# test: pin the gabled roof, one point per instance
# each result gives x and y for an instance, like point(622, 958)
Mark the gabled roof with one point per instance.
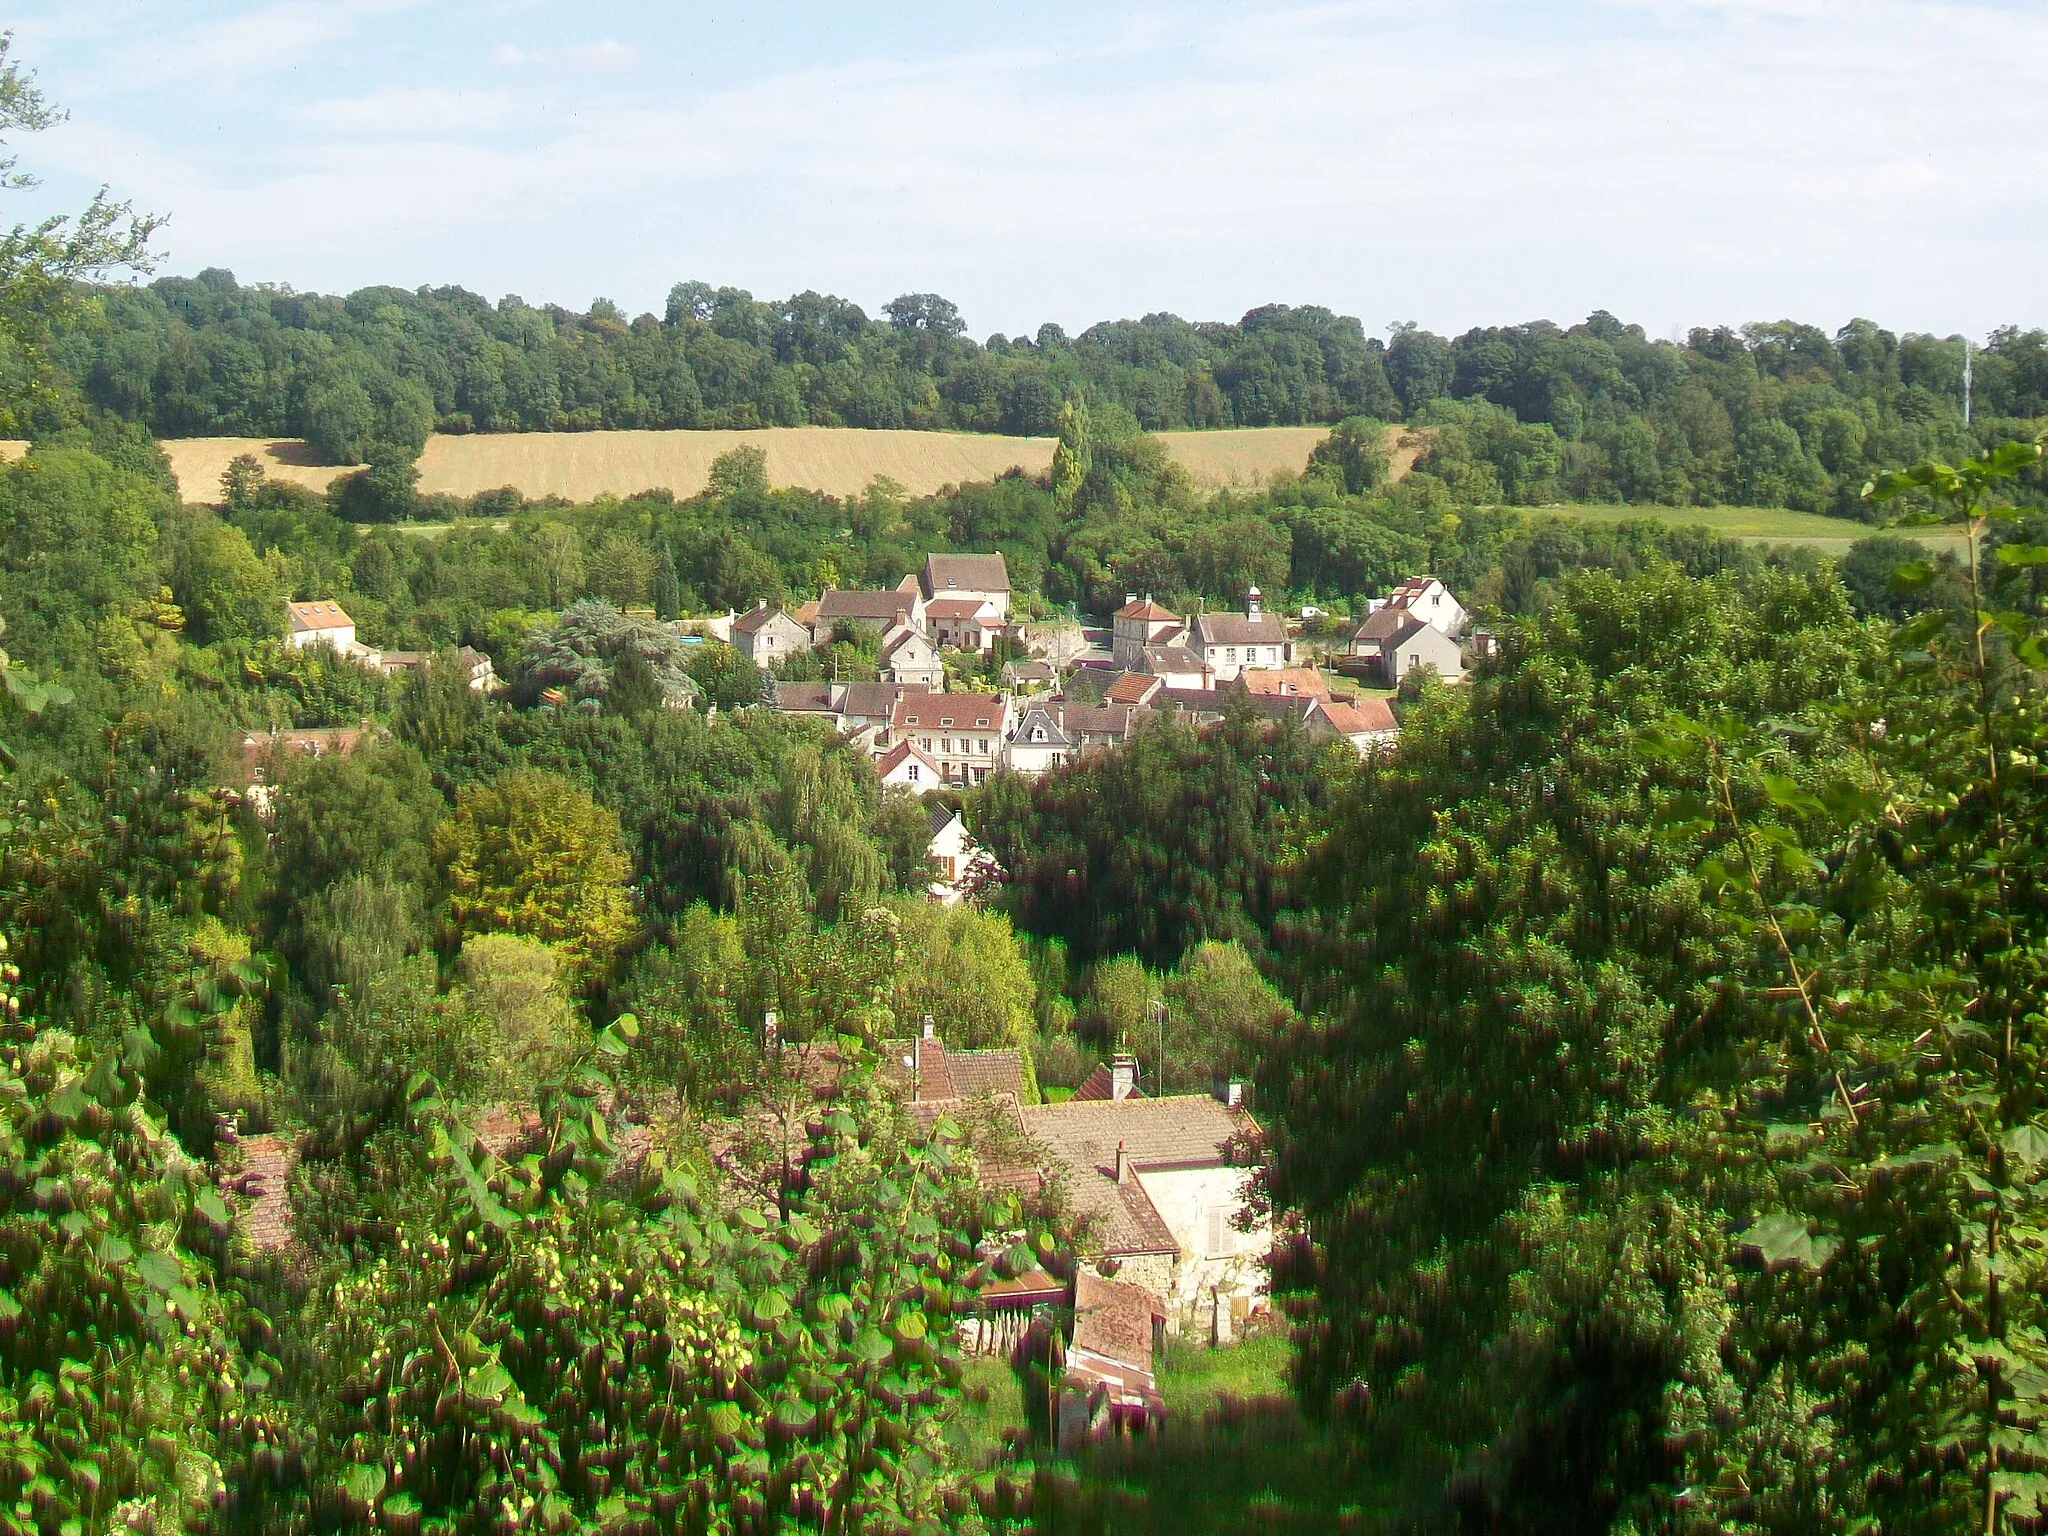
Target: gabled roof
point(805, 698)
point(1161, 659)
point(806, 614)
point(755, 619)
point(1133, 688)
point(1100, 719)
point(900, 636)
point(1240, 629)
point(877, 607)
point(1036, 717)
point(1304, 682)
point(874, 701)
point(931, 711)
point(1408, 591)
point(939, 816)
point(965, 573)
point(959, 607)
point(1082, 1137)
point(894, 758)
point(1360, 716)
point(1143, 609)
point(317, 616)
point(1389, 625)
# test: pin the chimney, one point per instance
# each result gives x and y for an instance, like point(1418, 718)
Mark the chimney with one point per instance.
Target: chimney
point(1232, 1093)
point(1123, 1165)
point(1252, 599)
point(1123, 1076)
point(1130, 598)
point(769, 1037)
point(929, 1028)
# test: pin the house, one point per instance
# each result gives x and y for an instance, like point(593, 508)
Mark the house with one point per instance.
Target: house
point(1177, 666)
point(818, 700)
point(909, 657)
point(1038, 743)
point(1227, 643)
point(1099, 725)
point(1108, 1382)
point(1030, 676)
point(1163, 1180)
point(965, 623)
point(868, 706)
point(1138, 624)
point(962, 862)
point(932, 1072)
point(483, 677)
point(1285, 682)
point(321, 623)
point(1429, 599)
point(264, 755)
point(879, 611)
point(1364, 723)
point(765, 635)
point(904, 767)
point(963, 732)
point(984, 578)
point(1397, 641)
point(1135, 688)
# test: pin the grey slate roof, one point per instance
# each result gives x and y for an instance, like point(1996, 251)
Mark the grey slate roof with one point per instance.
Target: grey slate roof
point(1237, 629)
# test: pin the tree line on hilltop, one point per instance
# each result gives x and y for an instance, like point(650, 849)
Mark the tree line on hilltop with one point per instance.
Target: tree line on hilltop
point(1776, 414)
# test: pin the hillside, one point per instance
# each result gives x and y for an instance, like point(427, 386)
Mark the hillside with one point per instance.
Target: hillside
point(838, 460)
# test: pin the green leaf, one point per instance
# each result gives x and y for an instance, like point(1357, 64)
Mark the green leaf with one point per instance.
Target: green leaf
point(627, 1026)
point(873, 1346)
point(363, 1483)
point(2028, 1143)
point(211, 1207)
point(2023, 554)
point(1783, 1239)
point(726, 1419)
point(159, 1271)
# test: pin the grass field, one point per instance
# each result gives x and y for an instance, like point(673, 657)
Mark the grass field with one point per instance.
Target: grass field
point(1761, 525)
point(838, 460)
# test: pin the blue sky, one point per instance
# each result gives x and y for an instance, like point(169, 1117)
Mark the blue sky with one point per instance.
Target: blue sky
point(1454, 162)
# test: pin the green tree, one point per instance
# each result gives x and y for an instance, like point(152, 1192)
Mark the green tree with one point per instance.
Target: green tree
point(531, 853)
point(1074, 454)
point(1219, 1011)
point(740, 473)
point(387, 490)
point(727, 677)
point(965, 971)
point(241, 482)
point(668, 590)
point(1354, 453)
point(227, 592)
point(516, 982)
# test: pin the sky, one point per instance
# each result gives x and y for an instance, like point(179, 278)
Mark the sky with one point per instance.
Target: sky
point(1450, 162)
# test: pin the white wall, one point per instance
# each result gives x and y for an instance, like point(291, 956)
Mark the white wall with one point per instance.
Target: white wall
point(1184, 1198)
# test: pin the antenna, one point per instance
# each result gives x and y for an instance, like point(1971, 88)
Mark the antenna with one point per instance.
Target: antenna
point(1966, 381)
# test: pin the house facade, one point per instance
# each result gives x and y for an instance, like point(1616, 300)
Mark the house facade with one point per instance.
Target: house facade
point(1398, 641)
point(1140, 623)
point(1229, 643)
point(1038, 743)
point(960, 859)
point(765, 635)
point(982, 578)
point(1429, 600)
point(965, 623)
point(962, 732)
point(320, 623)
point(909, 658)
point(904, 767)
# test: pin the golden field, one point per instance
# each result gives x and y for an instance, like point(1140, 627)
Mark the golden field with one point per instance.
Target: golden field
point(837, 460)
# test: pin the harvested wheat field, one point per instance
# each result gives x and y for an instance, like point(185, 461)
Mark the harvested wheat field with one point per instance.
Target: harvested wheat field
point(838, 460)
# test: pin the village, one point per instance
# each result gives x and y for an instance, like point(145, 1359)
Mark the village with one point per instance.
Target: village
point(1158, 1183)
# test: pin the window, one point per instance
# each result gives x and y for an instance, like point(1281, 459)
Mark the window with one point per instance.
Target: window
point(912, 775)
point(1218, 1219)
point(945, 720)
point(1230, 653)
point(1038, 733)
point(927, 743)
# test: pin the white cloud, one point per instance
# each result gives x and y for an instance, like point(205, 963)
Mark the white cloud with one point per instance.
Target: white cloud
point(1674, 160)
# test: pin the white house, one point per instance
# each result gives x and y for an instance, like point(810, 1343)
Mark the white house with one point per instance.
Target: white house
point(1429, 599)
point(321, 623)
point(1227, 643)
point(1038, 742)
point(879, 611)
point(962, 732)
point(904, 767)
point(765, 635)
point(984, 578)
point(962, 862)
point(967, 623)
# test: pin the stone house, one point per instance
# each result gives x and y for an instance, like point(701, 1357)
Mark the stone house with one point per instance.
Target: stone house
point(765, 635)
point(878, 611)
point(965, 623)
point(1141, 623)
point(1159, 1179)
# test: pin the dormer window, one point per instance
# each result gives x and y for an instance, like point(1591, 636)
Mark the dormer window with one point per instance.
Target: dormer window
point(944, 721)
point(1038, 733)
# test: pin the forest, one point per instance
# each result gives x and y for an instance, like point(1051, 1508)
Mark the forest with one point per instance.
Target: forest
point(1648, 1051)
point(1771, 414)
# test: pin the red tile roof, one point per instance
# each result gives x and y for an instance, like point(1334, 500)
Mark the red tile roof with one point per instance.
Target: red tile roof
point(1363, 714)
point(934, 711)
point(1133, 688)
point(1147, 610)
point(1305, 682)
point(320, 615)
